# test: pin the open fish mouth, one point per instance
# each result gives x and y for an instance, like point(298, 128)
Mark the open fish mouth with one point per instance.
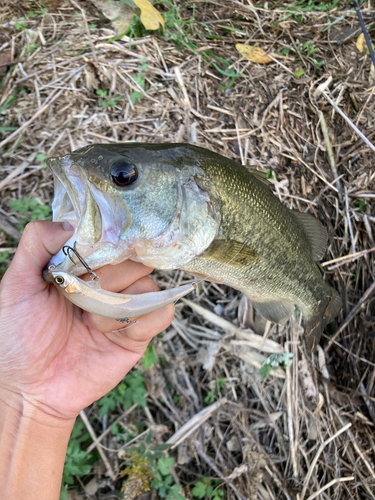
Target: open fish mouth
point(69, 189)
point(92, 216)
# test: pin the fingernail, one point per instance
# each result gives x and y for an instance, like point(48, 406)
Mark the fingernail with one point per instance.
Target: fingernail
point(67, 226)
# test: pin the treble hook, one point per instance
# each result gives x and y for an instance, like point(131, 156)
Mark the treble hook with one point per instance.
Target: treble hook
point(91, 273)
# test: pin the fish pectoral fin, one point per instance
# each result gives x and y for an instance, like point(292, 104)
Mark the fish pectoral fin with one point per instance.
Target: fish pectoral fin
point(229, 252)
point(277, 311)
point(260, 176)
point(315, 232)
point(327, 312)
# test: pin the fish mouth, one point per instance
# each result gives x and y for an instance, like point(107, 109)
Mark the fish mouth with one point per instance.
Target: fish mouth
point(92, 216)
point(69, 188)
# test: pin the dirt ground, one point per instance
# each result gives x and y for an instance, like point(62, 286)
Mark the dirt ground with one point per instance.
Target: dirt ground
point(307, 431)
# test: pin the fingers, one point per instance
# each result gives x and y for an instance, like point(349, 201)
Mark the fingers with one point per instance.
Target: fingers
point(134, 336)
point(116, 278)
point(40, 240)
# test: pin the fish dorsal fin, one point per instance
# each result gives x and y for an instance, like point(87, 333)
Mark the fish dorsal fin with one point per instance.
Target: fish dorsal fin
point(316, 234)
point(277, 311)
point(260, 176)
point(230, 252)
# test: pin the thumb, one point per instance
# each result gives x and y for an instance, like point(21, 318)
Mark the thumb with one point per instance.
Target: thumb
point(40, 241)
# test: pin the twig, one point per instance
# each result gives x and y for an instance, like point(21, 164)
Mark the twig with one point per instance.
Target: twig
point(16, 171)
point(8, 228)
point(328, 485)
point(103, 456)
point(356, 129)
point(290, 421)
point(217, 471)
point(349, 220)
point(92, 47)
point(33, 118)
point(331, 156)
point(347, 258)
point(318, 453)
point(194, 423)
point(351, 315)
point(108, 430)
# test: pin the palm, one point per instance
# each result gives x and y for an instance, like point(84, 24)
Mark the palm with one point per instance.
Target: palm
point(57, 355)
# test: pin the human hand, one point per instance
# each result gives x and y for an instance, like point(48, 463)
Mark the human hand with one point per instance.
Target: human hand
point(54, 355)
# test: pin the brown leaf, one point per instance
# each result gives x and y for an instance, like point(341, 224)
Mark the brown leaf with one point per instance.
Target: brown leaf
point(150, 17)
point(361, 43)
point(253, 54)
point(5, 60)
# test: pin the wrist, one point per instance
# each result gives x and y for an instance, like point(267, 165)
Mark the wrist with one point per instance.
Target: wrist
point(33, 445)
point(26, 407)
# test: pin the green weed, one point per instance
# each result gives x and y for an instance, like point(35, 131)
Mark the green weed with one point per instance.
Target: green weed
point(274, 361)
point(148, 464)
point(308, 6)
point(8, 102)
point(308, 48)
point(4, 262)
point(130, 391)
point(76, 459)
point(139, 79)
point(149, 357)
point(31, 208)
point(183, 33)
point(216, 391)
point(107, 102)
point(208, 489)
point(21, 24)
point(313, 6)
point(361, 205)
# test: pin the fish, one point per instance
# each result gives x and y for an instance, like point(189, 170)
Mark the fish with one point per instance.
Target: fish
point(180, 206)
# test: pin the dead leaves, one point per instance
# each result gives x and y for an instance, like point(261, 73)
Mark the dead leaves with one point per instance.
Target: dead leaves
point(5, 61)
point(361, 44)
point(150, 17)
point(253, 54)
point(122, 14)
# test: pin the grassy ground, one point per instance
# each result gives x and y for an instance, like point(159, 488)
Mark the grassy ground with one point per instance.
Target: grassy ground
point(306, 431)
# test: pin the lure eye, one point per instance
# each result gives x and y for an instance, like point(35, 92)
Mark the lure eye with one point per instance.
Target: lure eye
point(59, 280)
point(124, 173)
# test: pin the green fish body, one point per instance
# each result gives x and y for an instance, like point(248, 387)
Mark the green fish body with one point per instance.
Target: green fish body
point(182, 206)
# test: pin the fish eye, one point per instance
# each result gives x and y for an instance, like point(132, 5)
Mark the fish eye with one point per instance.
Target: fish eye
point(123, 173)
point(59, 280)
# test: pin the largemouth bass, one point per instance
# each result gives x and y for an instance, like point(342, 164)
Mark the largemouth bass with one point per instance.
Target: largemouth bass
point(181, 206)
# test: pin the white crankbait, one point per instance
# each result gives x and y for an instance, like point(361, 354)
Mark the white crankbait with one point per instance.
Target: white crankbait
point(88, 295)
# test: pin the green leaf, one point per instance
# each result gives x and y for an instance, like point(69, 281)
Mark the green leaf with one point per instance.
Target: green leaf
point(164, 464)
point(174, 493)
point(136, 96)
point(3, 256)
point(299, 73)
point(102, 93)
point(361, 205)
point(149, 357)
point(199, 490)
point(40, 157)
point(274, 361)
point(218, 495)
point(21, 206)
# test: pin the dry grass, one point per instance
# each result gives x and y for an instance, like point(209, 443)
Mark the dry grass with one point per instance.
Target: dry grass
point(306, 432)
